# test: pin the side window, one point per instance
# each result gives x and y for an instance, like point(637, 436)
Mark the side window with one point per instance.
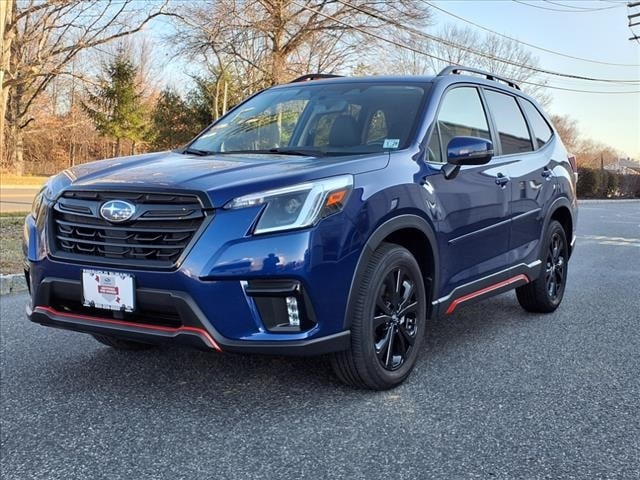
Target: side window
point(541, 128)
point(461, 114)
point(512, 128)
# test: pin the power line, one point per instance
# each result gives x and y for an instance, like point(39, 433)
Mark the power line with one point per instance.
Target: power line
point(574, 7)
point(435, 57)
point(583, 9)
point(537, 47)
point(483, 54)
point(565, 10)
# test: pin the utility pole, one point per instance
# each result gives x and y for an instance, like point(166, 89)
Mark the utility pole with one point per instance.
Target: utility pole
point(634, 19)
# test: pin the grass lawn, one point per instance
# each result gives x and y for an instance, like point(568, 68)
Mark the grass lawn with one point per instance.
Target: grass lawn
point(11, 244)
point(10, 179)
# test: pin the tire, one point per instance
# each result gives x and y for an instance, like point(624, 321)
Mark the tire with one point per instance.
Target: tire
point(121, 344)
point(388, 311)
point(545, 293)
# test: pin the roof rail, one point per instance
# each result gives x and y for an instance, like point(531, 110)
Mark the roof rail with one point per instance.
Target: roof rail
point(458, 70)
point(314, 76)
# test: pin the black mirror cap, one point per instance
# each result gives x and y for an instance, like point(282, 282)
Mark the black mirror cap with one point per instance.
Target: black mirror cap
point(469, 151)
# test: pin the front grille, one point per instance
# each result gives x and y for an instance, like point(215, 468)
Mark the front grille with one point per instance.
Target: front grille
point(156, 236)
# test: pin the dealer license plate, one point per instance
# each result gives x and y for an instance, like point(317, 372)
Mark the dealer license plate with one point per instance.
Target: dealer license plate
point(108, 290)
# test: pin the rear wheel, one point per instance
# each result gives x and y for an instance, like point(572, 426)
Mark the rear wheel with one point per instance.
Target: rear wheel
point(121, 344)
point(544, 294)
point(387, 324)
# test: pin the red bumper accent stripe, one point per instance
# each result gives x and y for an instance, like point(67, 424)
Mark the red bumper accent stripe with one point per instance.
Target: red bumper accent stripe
point(488, 289)
point(198, 331)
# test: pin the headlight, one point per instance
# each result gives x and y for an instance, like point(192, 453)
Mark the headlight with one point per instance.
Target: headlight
point(47, 194)
point(37, 203)
point(297, 206)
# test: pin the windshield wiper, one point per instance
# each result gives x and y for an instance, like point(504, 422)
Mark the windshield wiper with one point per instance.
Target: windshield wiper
point(195, 151)
point(283, 151)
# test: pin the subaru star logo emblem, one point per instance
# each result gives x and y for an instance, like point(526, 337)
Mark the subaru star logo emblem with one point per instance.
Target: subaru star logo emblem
point(117, 211)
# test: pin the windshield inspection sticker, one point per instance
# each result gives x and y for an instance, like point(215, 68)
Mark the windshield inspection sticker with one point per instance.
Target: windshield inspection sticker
point(391, 143)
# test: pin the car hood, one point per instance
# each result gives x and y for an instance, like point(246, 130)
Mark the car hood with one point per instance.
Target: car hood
point(221, 177)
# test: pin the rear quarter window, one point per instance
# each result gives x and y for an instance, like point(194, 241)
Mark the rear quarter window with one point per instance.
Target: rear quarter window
point(541, 129)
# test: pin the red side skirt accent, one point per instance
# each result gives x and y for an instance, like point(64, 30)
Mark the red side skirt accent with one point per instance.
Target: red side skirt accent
point(198, 331)
point(488, 289)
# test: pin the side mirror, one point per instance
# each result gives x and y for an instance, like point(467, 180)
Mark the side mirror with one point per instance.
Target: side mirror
point(466, 151)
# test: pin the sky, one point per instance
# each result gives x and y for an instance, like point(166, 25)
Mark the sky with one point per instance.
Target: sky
point(601, 34)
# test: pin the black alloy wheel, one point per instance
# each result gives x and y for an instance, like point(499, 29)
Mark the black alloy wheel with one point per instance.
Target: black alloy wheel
point(395, 326)
point(387, 314)
point(544, 294)
point(555, 266)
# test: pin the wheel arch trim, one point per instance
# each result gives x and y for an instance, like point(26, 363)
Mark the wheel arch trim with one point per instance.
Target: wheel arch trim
point(560, 202)
point(400, 222)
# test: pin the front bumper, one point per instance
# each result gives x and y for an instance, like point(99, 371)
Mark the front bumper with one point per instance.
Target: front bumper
point(198, 337)
point(207, 302)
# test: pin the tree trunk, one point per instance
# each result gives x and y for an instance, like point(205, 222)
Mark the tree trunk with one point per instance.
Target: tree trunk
point(7, 13)
point(18, 151)
point(278, 70)
point(15, 140)
point(118, 147)
point(278, 56)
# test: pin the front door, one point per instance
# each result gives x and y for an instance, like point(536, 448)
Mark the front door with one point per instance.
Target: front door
point(473, 208)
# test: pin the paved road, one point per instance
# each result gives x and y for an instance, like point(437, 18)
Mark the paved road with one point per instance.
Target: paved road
point(498, 394)
point(17, 198)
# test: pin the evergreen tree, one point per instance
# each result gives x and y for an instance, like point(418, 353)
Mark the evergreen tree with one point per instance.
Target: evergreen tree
point(116, 107)
point(173, 122)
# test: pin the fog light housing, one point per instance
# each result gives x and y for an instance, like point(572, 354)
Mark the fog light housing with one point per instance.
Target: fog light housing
point(283, 305)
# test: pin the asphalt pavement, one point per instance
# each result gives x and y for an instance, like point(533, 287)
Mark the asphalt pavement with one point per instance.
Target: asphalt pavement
point(497, 394)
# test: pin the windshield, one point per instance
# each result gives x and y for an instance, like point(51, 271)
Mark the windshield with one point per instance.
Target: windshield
point(317, 119)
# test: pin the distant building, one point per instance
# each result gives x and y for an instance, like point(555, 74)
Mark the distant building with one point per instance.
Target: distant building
point(625, 166)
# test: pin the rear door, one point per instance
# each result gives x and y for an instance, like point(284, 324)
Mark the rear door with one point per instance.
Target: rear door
point(532, 182)
point(473, 218)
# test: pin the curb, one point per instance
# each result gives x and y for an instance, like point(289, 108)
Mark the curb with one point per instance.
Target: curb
point(605, 200)
point(12, 283)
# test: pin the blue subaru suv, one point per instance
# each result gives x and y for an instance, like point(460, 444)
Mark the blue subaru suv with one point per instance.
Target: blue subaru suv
point(325, 216)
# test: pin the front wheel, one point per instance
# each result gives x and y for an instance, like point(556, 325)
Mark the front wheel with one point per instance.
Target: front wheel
point(387, 324)
point(544, 294)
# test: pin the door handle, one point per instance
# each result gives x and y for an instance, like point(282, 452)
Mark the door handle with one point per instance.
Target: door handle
point(546, 173)
point(502, 180)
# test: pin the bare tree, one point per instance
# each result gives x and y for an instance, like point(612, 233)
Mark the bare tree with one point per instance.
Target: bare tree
point(274, 40)
point(465, 46)
point(41, 38)
point(567, 128)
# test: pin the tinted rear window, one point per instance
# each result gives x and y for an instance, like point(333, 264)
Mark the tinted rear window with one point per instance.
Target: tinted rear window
point(511, 125)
